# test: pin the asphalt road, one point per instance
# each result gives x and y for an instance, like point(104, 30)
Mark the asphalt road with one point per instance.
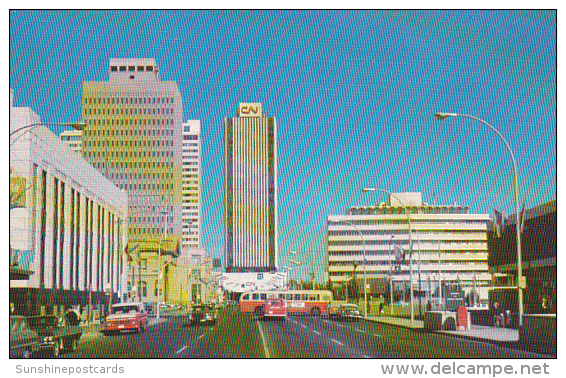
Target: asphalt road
point(238, 335)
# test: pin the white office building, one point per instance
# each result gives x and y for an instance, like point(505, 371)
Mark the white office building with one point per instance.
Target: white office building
point(73, 139)
point(67, 224)
point(449, 245)
point(191, 187)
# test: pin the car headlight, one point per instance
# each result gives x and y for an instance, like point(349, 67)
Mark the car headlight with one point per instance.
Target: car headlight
point(47, 339)
point(208, 316)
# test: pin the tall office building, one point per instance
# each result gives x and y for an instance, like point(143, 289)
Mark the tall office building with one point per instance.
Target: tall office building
point(190, 186)
point(250, 190)
point(134, 137)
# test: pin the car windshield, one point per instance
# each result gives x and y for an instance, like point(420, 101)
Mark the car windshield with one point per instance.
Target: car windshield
point(42, 322)
point(350, 307)
point(124, 309)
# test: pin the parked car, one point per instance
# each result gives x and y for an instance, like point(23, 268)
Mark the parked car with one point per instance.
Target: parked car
point(57, 334)
point(24, 342)
point(150, 307)
point(274, 308)
point(204, 313)
point(346, 311)
point(126, 317)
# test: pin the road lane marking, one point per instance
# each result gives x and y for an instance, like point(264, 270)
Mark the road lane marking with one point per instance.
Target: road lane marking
point(366, 356)
point(180, 350)
point(201, 336)
point(263, 340)
point(304, 326)
point(376, 335)
point(337, 342)
point(315, 331)
point(359, 330)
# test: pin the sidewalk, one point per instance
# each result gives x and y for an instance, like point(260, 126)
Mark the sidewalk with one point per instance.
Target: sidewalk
point(477, 332)
point(96, 329)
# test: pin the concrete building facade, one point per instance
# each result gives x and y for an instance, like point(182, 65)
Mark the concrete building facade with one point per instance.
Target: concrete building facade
point(73, 139)
point(67, 225)
point(191, 187)
point(449, 246)
point(134, 137)
point(250, 191)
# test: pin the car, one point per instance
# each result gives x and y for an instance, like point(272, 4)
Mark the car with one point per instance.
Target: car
point(126, 317)
point(57, 333)
point(274, 308)
point(149, 307)
point(345, 311)
point(24, 342)
point(204, 313)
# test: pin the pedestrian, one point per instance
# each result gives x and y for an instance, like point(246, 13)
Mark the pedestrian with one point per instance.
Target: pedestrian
point(380, 308)
point(428, 306)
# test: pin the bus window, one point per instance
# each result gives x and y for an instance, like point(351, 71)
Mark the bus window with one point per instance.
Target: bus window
point(246, 297)
point(297, 297)
point(303, 297)
point(282, 296)
point(313, 297)
point(255, 296)
point(263, 296)
point(289, 297)
point(272, 295)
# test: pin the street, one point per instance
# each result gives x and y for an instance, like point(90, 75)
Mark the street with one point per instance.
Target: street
point(237, 335)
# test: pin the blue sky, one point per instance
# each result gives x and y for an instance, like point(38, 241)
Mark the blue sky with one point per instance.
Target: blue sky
point(353, 92)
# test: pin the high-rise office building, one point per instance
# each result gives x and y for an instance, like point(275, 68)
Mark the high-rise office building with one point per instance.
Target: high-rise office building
point(190, 186)
point(134, 137)
point(250, 190)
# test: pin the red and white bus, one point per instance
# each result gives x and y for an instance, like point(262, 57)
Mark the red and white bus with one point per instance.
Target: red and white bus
point(314, 302)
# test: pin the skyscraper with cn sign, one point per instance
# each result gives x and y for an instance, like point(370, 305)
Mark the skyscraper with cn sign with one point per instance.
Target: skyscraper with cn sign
point(250, 190)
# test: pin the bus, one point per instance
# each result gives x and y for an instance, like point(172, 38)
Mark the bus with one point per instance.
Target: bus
point(313, 302)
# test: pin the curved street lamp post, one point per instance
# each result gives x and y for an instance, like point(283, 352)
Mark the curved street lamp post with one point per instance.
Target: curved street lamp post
point(440, 116)
point(365, 190)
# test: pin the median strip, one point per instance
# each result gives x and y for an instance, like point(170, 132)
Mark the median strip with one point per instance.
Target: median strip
point(263, 340)
point(180, 350)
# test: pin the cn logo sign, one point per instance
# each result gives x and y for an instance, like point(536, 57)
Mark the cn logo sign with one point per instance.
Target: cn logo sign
point(247, 109)
point(250, 110)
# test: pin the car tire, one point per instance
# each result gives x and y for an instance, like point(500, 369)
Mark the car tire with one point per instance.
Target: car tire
point(315, 311)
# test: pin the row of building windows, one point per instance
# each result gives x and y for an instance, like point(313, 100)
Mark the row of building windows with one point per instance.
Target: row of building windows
point(128, 111)
point(393, 242)
point(135, 164)
point(129, 132)
point(97, 153)
point(131, 122)
point(146, 186)
point(148, 230)
point(132, 68)
point(411, 210)
point(128, 100)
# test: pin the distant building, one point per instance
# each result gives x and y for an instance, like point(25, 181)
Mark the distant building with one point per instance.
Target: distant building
point(191, 187)
point(67, 225)
point(538, 255)
point(449, 247)
point(72, 138)
point(250, 192)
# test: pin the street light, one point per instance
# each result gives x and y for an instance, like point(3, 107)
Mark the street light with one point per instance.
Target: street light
point(159, 264)
point(364, 257)
point(440, 117)
point(74, 125)
point(365, 190)
point(289, 270)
